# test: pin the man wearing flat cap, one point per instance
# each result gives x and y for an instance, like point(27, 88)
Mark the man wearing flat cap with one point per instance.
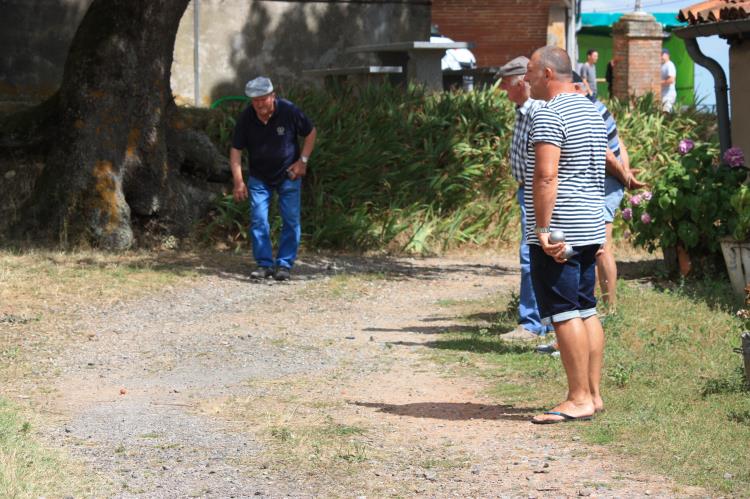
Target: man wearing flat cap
point(530, 325)
point(269, 129)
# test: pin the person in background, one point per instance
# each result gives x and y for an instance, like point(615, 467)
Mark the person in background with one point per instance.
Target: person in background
point(588, 71)
point(610, 77)
point(668, 79)
point(269, 129)
point(530, 325)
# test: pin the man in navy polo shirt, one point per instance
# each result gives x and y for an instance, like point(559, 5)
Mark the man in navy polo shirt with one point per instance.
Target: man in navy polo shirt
point(269, 129)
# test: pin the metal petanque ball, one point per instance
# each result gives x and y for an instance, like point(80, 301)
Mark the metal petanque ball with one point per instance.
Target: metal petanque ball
point(558, 236)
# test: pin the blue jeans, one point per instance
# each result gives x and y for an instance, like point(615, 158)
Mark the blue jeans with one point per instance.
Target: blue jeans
point(528, 312)
point(289, 192)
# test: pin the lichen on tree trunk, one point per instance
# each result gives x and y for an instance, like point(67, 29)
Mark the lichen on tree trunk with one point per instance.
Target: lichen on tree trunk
point(107, 129)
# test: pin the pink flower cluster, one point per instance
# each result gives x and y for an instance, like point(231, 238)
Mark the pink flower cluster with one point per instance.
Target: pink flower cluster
point(646, 218)
point(734, 157)
point(627, 214)
point(685, 146)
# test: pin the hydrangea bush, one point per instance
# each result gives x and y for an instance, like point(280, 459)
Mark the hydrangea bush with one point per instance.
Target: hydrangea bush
point(693, 203)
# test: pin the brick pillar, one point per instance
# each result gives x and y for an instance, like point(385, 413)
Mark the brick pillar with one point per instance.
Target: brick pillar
point(637, 42)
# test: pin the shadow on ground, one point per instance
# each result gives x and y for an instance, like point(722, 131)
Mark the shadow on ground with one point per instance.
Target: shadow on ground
point(453, 411)
point(238, 266)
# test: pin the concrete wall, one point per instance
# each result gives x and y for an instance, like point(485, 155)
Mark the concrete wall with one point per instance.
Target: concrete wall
point(501, 29)
point(739, 75)
point(34, 39)
point(239, 39)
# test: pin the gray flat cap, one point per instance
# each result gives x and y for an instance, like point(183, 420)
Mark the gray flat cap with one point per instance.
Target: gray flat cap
point(258, 87)
point(514, 67)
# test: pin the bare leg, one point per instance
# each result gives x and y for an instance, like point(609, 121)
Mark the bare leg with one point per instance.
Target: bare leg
point(606, 270)
point(596, 357)
point(573, 341)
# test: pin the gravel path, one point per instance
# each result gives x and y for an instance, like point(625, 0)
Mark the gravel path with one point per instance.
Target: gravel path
point(134, 401)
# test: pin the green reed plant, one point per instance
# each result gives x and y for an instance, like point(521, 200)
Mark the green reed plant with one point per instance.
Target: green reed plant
point(409, 170)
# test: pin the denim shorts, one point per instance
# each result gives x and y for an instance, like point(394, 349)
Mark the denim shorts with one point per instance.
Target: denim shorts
point(613, 193)
point(564, 290)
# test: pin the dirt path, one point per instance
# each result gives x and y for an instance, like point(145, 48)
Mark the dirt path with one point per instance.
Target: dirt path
point(323, 386)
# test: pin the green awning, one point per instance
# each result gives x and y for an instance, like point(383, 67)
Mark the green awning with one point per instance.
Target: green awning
point(598, 20)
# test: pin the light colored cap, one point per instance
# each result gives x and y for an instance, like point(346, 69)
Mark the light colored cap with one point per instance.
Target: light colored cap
point(513, 67)
point(258, 87)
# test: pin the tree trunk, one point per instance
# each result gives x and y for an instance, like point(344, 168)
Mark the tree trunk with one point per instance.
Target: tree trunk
point(113, 114)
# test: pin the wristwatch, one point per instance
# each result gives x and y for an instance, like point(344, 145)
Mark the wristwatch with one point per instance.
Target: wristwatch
point(304, 159)
point(542, 230)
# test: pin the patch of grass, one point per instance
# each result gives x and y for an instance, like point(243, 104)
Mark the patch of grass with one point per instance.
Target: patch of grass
point(27, 469)
point(673, 387)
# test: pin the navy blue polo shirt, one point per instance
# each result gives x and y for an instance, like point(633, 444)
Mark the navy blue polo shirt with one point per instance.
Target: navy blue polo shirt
point(274, 146)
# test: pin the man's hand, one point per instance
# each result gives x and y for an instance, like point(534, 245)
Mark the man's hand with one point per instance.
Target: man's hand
point(555, 250)
point(297, 170)
point(633, 183)
point(239, 192)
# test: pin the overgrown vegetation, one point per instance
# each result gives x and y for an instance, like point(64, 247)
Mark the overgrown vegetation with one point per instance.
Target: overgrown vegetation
point(672, 384)
point(419, 172)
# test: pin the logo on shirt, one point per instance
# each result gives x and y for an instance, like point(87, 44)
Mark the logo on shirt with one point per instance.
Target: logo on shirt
point(280, 130)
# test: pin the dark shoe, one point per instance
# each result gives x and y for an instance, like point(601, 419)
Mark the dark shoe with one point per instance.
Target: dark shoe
point(549, 348)
point(262, 273)
point(282, 274)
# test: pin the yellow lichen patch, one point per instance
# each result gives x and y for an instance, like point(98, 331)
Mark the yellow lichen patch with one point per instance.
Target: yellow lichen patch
point(133, 136)
point(79, 124)
point(97, 94)
point(105, 199)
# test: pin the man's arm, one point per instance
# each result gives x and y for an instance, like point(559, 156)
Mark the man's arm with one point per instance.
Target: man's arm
point(299, 168)
point(620, 169)
point(544, 190)
point(239, 192)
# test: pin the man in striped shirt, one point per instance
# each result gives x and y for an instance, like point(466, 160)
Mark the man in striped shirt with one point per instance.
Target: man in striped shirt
point(530, 325)
point(567, 149)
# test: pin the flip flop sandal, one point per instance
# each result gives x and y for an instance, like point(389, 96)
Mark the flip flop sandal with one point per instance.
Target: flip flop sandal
point(566, 418)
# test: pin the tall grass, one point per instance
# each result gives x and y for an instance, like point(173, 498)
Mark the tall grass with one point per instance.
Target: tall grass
point(413, 171)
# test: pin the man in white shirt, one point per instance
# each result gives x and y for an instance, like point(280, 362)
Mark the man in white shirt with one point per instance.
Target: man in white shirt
point(668, 78)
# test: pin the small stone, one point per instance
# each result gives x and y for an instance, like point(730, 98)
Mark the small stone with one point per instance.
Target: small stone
point(476, 469)
point(576, 439)
point(350, 338)
point(372, 338)
point(584, 493)
point(647, 492)
point(123, 391)
point(430, 475)
point(68, 430)
point(10, 174)
point(728, 476)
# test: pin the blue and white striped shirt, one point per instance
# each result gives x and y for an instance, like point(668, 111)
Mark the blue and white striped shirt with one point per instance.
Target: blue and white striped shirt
point(571, 122)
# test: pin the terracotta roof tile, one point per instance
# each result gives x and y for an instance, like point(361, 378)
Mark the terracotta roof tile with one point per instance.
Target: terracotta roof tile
point(714, 11)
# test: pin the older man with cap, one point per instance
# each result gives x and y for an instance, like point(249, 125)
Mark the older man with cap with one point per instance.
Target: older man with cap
point(530, 326)
point(269, 129)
